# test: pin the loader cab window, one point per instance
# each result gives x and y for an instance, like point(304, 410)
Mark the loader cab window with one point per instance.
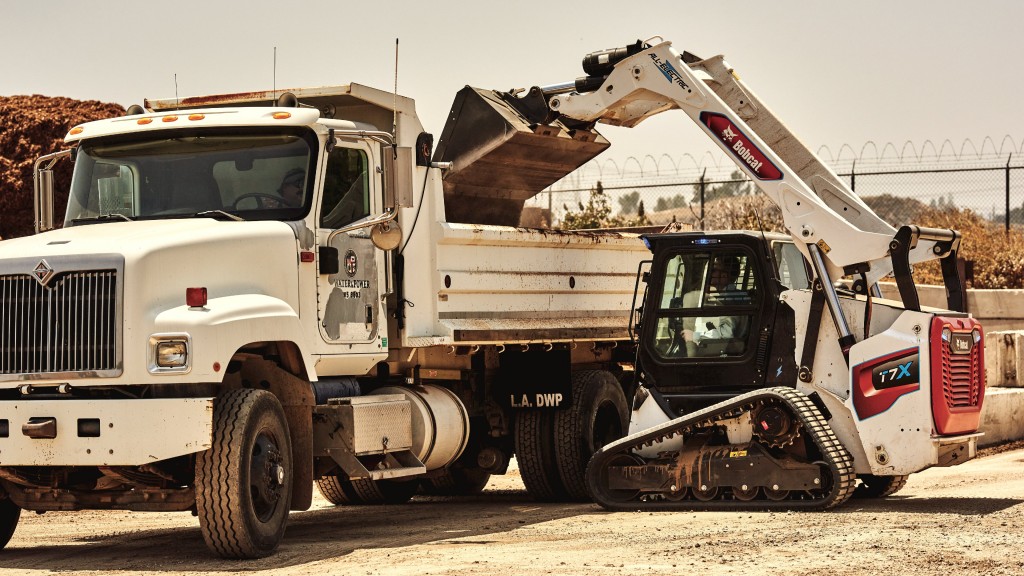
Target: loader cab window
point(346, 188)
point(707, 305)
point(791, 266)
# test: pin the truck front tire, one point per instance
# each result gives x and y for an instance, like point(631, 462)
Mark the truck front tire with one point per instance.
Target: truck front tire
point(244, 481)
point(10, 513)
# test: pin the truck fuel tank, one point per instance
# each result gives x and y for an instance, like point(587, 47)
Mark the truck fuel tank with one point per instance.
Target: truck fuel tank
point(505, 149)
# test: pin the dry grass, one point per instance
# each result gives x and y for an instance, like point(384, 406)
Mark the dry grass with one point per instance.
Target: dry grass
point(998, 257)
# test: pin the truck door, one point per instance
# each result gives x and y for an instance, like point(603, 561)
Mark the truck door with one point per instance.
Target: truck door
point(348, 298)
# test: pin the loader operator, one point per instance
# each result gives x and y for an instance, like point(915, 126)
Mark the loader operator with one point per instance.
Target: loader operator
point(721, 291)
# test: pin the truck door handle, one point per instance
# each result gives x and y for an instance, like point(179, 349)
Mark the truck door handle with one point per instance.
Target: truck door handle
point(40, 427)
point(369, 314)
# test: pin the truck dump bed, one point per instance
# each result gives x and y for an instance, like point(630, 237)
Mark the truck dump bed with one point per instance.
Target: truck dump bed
point(505, 285)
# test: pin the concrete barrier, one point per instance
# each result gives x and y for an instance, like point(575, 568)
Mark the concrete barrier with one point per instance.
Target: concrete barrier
point(1002, 416)
point(1004, 358)
point(996, 309)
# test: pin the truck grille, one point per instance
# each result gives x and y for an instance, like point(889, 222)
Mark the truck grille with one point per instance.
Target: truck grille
point(69, 325)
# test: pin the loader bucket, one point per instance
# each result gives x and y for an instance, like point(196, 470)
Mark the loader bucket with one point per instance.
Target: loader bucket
point(501, 158)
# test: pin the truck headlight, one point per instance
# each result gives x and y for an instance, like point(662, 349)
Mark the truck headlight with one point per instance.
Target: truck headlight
point(170, 353)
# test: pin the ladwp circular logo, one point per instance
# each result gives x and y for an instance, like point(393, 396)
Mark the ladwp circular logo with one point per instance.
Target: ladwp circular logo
point(741, 146)
point(351, 263)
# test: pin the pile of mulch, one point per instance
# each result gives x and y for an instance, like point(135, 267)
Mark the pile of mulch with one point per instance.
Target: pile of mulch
point(30, 127)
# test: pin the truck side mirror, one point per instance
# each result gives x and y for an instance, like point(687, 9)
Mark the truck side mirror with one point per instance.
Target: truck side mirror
point(398, 177)
point(42, 178)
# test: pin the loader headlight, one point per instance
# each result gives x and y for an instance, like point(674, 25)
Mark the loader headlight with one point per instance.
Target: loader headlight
point(169, 353)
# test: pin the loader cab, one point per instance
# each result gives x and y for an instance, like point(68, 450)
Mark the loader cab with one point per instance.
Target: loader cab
point(712, 325)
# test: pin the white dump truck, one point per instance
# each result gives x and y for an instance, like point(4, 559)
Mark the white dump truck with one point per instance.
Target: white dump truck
point(253, 293)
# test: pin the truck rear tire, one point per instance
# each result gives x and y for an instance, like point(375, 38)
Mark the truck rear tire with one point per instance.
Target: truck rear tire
point(10, 513)
point(244, 481)
point(383, 491)
point(457, 481)
point(598, 415)
point(871, 486)
point(336, 490)
point(341, 491)
point(535, 453)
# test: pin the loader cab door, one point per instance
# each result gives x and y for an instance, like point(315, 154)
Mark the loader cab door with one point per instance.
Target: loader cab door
point(708, 316)
point(348, 298)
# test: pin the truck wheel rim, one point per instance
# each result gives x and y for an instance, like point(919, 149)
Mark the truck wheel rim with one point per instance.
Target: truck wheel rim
point(264, 476)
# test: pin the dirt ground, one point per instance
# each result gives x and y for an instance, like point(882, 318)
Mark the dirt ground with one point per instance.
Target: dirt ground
point(963, 520)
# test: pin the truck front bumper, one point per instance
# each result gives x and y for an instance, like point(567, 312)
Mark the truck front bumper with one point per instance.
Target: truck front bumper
point(102, 432)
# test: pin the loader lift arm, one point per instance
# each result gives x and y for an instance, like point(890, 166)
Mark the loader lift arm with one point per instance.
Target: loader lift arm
point(837, 232)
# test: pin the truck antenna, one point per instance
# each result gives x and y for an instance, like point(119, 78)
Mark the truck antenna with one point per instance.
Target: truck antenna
point(275, 74)
point(177, 102)
point(394, 107)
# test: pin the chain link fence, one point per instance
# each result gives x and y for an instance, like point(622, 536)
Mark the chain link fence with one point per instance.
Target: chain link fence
point(900, 190)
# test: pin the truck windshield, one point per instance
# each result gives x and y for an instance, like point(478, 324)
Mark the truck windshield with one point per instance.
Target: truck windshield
point(256, 176)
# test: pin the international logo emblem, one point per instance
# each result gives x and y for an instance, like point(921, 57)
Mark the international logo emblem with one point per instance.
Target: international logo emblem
point(42, 272)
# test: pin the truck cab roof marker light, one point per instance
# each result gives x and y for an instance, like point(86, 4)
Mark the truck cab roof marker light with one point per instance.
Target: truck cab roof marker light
point(196, 297)
point(281, 115)
point(194, 117)
point(144, 121)
point(169, 119)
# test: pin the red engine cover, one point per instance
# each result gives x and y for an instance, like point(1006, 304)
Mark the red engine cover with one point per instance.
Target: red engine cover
point(958, 374)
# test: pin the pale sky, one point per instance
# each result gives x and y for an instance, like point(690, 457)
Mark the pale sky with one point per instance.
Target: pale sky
point(836, 73)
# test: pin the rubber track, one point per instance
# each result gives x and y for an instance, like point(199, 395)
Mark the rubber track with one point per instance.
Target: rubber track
point(835, 455)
